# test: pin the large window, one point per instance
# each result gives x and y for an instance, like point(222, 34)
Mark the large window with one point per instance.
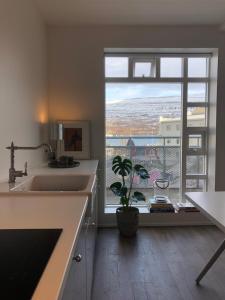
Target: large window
point(157, 115)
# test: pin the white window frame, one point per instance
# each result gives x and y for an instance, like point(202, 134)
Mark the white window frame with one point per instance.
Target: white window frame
point(184, 80)
point(194, 130)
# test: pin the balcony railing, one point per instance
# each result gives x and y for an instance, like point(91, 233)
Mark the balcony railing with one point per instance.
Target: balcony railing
point(159, 155)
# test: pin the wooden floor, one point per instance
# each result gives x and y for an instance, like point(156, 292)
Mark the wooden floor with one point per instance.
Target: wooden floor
point(160, 263)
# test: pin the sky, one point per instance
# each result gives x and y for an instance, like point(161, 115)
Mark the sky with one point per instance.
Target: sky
point(170, 67)
point(122, 91)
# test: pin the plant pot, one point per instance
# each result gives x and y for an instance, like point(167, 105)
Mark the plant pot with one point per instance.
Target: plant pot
point(127, 220)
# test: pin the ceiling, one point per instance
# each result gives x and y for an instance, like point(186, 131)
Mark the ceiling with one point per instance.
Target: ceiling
point(133, 12)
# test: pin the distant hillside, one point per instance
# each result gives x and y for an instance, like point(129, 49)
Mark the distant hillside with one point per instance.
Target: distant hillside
point(138, 116)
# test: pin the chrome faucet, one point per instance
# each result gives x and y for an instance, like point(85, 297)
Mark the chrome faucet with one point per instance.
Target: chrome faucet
point(14, 173)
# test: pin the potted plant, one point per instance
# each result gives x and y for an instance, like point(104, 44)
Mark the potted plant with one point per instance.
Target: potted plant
point(127, 215)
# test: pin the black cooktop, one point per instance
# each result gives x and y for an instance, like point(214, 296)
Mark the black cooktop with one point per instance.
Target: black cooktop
point(24, 254)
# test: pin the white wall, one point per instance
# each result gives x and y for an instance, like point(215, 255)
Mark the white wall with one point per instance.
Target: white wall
point(76, 74)
point(23, 102)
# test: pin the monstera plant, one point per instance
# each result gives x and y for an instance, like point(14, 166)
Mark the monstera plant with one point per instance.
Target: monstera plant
point(127, 215)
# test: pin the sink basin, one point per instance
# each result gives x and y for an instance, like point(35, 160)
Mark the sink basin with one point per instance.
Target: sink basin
point(76, 184)
point(56, 183)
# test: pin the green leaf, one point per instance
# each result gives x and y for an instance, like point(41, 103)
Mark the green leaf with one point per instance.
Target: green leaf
point(127, 163)
point(117, 159)
point(116, 188)
point(121, 167)
point(141, 171)
point(115, 168)
point(137, 196)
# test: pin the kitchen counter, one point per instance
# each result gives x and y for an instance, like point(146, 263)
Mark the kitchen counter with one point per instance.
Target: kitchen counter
point(85, 167)
point(25, 211)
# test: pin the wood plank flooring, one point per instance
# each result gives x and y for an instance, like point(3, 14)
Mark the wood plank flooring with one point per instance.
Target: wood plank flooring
point(159, 264)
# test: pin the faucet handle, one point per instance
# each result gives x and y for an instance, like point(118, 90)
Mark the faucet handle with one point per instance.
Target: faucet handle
point(25, 169)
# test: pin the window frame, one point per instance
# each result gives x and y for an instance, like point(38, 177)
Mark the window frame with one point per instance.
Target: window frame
point(184, 80)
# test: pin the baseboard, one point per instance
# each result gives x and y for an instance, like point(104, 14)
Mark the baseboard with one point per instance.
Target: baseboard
point(162, 219)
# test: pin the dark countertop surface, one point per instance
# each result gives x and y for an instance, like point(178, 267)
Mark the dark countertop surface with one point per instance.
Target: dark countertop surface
point(24, 254)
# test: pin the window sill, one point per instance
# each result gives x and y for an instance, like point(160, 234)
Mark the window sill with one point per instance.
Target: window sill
point(145, 210)
point(112, 210)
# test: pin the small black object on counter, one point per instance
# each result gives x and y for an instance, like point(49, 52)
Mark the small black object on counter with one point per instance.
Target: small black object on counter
point(64, 162)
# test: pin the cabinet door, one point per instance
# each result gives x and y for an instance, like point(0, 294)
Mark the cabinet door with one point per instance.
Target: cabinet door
point(76, 284)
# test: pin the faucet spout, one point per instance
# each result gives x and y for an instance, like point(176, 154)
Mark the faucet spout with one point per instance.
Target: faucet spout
point(48, 146)
point(12, 172)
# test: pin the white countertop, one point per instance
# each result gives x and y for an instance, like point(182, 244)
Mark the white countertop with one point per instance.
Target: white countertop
point(211, 204)
point(41, 211)
point(85, 167)
point(46, 210)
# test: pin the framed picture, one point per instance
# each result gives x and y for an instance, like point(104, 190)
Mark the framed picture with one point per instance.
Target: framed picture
point(74, 139)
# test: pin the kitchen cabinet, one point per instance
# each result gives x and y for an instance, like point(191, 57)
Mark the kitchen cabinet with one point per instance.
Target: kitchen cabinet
point(80, 278)
point(76, 283)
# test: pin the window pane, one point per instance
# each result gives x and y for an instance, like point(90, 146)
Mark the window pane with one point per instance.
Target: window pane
point(197, 92)
point(195, 165)
point(196, 117)
point(143, 109)
point(143, 123)
point(195, 185)
point(195, 141)
point(197, 67)
point(171, 67)
point(144, 69)
point(116, 67)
